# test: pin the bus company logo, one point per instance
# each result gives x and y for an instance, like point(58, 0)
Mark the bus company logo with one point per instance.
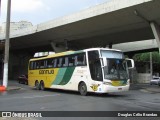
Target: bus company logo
point(46, 71)
point(6, 114)
point(95, 87)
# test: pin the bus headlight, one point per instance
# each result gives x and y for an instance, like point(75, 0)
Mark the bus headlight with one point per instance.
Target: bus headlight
point(107, 83)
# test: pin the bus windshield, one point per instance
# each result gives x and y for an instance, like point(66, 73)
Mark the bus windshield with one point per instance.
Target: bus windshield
point(112, 54)
point(116, 69)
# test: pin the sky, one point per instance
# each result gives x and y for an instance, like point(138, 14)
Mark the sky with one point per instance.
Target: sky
point(39, 11)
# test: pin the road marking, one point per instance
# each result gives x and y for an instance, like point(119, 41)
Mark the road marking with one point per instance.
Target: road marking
point(30, 97)
point(151, 103)
point(144, 90)
point(38, 96)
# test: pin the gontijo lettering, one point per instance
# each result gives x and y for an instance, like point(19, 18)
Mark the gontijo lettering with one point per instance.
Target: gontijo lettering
point(46, 71)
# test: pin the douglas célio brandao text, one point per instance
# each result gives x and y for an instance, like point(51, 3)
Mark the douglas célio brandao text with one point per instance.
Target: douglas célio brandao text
point(134, 114)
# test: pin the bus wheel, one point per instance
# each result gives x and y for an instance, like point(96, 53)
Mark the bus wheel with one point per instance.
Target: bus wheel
point(37, 85)
point(42, 85)
point(83, 89)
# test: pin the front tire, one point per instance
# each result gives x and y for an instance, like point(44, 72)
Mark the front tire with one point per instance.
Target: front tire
point(83, 89)
point(37, 85)
point(42, 87)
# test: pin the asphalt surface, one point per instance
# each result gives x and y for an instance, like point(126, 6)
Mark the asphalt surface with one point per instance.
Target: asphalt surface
point(19, 97)
point(146, 87)
point(13, 85)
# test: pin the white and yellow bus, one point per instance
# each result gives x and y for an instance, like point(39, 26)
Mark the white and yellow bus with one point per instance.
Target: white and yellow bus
point(98, 70)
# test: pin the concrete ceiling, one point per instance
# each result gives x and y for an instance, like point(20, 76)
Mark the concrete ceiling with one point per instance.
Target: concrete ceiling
point(97, 26)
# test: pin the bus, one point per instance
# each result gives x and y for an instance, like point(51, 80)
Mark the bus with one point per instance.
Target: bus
point(98, 70)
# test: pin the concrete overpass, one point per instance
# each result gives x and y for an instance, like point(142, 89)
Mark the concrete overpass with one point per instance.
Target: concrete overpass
point(117, 21)
point(138, 46)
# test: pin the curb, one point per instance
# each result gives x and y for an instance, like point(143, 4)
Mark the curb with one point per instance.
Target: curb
point(145, 88)
point(14, 88)
point(152, 90)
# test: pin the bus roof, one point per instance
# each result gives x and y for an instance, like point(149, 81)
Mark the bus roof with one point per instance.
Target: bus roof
point(90, 49)
point(72, 52)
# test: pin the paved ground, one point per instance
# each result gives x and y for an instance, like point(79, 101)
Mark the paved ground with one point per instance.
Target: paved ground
point(142, 87)
point(141, 97)
point(146, 87)
point(13, 85)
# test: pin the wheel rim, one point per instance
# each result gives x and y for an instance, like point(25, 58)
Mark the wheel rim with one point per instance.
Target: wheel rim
point(37, 85)
point(83, 89)
point(42, 86)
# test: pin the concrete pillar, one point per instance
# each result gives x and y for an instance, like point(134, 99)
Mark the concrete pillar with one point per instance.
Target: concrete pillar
point(57, 48)
point(156, 32)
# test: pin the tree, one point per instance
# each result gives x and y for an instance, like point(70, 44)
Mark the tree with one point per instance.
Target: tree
point(145, 57)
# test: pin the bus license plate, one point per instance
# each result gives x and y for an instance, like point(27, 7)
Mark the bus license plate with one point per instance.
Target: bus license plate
point(119, 88)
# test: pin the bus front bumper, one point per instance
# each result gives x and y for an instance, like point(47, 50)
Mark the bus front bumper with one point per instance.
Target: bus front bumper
point(110, 89)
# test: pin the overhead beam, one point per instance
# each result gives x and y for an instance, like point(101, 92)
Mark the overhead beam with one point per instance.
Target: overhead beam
point(57, 48)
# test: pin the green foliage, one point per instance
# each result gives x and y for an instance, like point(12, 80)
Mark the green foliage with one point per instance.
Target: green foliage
point(145, 57)
point(126, 56)
point(156, 57)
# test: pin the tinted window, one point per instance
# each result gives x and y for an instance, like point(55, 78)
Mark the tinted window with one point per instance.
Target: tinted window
point(50, 63)
point(31, 67)
point(95, 65)
point(67, 61)
point(42, 64)
point(80, 60)
point(59, 62)
point(71, 60)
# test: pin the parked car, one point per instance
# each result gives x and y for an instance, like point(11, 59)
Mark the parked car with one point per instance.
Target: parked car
point(155, 81)
point(23, 79)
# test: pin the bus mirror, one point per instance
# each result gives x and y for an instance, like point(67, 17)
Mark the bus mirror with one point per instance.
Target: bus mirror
point(130, 63)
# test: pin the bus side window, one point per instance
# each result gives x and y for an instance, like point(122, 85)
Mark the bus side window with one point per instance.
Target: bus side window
point(41, 63)
point(45, 64)
point(55, 63)
point(50, 63)
point(31, 67)
point(59, 63)
point(80, 60)
point(37, 65)
point(34, 65)
point(65, 62)
point(71, 60)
